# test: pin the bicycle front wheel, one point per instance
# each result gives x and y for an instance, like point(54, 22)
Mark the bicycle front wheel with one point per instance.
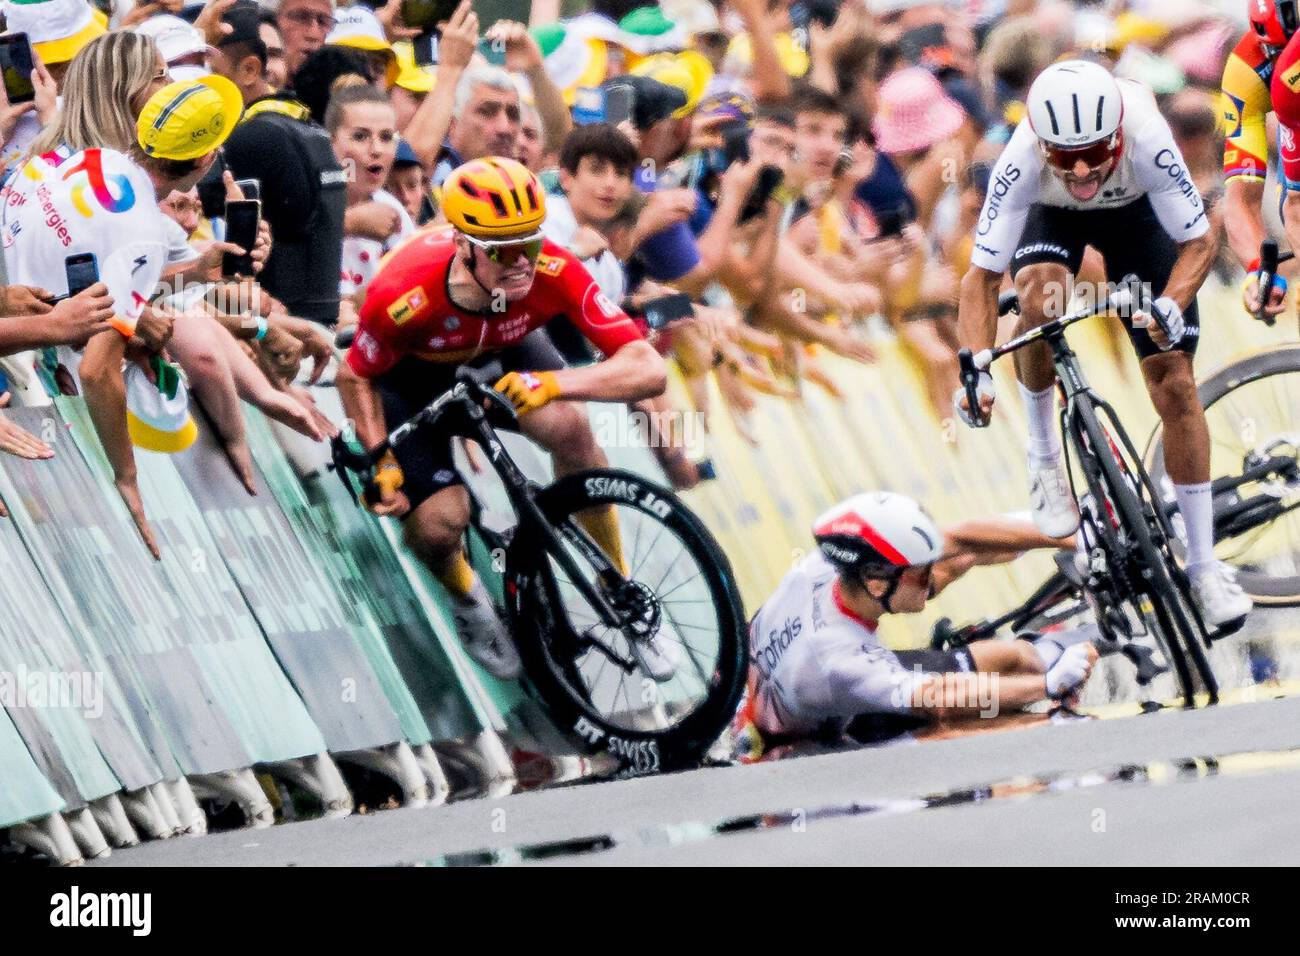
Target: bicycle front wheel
point(1130, 508)
point(1252, 408)
point(677, 604)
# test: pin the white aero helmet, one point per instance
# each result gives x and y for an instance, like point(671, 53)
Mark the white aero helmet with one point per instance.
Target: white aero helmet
point(878, 534)
point(1073, 104)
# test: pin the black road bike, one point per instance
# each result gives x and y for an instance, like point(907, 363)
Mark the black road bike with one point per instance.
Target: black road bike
point(1130, 574)
point(581, 625)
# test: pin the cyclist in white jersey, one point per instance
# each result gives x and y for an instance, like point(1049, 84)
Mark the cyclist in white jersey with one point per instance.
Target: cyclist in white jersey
point(819, 671)
point(1095, 164)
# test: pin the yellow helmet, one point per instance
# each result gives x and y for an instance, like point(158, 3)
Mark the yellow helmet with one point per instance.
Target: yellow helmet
point(494, 198)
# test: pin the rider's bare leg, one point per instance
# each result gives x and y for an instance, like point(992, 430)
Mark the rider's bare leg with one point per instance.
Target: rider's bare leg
point(1043, 290)
point(434, 532)
point(562, 428)
point(1171, 384)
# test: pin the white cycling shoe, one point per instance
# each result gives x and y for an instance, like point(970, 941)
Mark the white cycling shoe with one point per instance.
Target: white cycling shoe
point(485, 637)
point(661, 654)
point(1055, 512)
point(1218, 595)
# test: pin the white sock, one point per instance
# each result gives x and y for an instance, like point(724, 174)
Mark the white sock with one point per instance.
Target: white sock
point(1195, 502)
point(1044, 440)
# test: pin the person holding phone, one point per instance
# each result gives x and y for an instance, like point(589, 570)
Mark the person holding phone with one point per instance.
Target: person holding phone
point(179, 129)
point(278, 143)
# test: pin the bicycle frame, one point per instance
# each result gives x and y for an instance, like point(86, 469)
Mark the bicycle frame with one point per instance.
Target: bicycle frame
point(470, 397)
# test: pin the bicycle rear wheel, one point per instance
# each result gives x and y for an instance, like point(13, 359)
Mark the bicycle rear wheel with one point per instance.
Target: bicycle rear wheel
point(1253, 410)
point(679, 591)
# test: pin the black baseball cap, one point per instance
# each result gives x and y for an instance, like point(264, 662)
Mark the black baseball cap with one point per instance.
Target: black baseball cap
point(245, 20)
point(653, 101)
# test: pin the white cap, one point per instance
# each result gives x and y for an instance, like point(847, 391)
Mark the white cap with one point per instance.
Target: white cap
point(174, 38)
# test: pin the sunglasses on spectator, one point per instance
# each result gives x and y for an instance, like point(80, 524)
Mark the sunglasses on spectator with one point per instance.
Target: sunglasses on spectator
point(1092, 155)
point(507, 253)
point(307, 18)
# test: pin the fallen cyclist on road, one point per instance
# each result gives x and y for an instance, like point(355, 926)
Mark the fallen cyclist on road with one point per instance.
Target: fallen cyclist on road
point(1095, 164)
point(818, 671)
point(483, 288)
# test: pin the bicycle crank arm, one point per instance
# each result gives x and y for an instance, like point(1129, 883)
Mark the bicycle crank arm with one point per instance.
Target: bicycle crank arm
point(1143, 659)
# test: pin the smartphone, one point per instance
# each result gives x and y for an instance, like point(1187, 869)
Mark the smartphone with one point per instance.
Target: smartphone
point(588, 105)
point(769, 177)
point(735, 143)
point(424, 48)
point(660, 311)
point(925, 46)
point(82, 271)
point(620, 101)
point(16, 62)
point(843, 163)
point(251, 188)
point(242, 218)
point(427, 14)
point(803, 13)
point(492, 51)
point(892, 221)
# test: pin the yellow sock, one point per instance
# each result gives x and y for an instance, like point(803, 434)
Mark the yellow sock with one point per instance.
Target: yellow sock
point(602, 524)
point(457, 576)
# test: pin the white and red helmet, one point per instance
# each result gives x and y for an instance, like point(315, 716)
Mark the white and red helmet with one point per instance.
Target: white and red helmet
point(878, 534)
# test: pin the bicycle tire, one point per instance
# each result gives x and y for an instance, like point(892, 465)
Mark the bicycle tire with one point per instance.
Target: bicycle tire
point(1265, 589)
point(532, 613)
point(1169, 599)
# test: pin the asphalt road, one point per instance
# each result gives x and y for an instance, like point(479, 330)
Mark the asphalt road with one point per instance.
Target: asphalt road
point(1212, 786)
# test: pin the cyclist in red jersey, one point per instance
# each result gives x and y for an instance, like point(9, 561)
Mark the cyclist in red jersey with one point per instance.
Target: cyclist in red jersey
point(1284, 89)
point(1260, 77)
point(482, 289)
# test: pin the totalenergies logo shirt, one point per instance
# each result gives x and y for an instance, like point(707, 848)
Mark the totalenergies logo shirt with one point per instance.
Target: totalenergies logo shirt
point(64, 203)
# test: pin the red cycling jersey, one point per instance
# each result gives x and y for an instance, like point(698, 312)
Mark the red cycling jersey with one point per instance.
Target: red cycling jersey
point(407, 310)
point(1285, 92)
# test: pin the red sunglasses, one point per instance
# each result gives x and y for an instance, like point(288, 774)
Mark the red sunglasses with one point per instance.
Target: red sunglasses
point(1093, 155)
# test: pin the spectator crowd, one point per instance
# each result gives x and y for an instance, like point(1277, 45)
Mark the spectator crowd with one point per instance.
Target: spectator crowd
point(758, 182)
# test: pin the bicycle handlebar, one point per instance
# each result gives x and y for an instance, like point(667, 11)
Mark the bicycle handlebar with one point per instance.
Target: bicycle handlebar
point(1269, 260)
point(972, 363)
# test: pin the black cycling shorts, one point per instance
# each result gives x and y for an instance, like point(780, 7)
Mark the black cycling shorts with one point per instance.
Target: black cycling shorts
point(1130, 240)
point(411, 384)
point(876, 728)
